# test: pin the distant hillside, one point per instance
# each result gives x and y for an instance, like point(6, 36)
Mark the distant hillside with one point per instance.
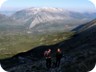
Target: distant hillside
point(8, 25)
point(86, 26)
point(7, 12)
point(2, 17)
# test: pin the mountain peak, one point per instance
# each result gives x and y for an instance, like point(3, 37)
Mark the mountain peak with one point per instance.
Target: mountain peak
point(50, 9)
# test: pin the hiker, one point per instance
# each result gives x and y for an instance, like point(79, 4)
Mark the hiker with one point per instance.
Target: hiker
point(58, 57)
point(47, 55)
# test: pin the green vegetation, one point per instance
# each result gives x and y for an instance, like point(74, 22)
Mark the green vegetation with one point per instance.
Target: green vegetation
point(11, 44)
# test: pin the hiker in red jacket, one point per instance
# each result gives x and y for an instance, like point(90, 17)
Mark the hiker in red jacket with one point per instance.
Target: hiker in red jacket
point(47, 55)
point(58, 57)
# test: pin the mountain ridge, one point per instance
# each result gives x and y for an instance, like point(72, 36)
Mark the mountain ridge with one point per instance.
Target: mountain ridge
point(85, 26)
point(38, 16)
point(46, 19)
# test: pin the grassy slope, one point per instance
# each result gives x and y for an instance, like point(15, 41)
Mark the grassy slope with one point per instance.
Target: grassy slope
point(13, 44)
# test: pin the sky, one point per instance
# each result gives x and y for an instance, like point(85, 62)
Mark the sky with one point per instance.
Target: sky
point(76, 5)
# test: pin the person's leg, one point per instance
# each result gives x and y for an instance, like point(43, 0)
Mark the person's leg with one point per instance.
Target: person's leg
point(49, 62)
point(58, 63)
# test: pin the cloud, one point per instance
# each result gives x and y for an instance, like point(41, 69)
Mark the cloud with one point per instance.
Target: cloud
point(1, 2)
point(94, 2)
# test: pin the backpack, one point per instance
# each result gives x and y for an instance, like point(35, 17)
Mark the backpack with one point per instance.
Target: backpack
point(59, 55)
point(45, 53)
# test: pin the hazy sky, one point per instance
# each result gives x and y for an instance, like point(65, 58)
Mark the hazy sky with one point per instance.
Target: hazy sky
point(77, 5)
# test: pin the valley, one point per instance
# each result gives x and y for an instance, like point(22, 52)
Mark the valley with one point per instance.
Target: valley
point(12, 44)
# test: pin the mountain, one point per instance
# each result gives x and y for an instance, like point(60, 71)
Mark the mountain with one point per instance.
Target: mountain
point(7, 24)
point(79, 54)
point(44, 20)
point(86, 26)
point(7, 12)
point(51, 19)
point(2, 17)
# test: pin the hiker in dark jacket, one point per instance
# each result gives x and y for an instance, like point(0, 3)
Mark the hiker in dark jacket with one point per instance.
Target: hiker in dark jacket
point(58, 57)
point(47, 55)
